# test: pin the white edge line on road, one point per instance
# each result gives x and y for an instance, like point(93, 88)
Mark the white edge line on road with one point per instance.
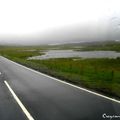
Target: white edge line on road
point(83, 89)
point(25, 111)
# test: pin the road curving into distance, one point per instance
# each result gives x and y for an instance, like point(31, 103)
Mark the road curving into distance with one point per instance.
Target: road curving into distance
point(46, 98)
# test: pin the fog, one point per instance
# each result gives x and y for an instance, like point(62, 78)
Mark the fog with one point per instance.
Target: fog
point(102, 31)
point(29, 22)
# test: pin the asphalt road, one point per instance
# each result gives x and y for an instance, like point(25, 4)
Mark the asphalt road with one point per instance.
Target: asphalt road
point(48, 99)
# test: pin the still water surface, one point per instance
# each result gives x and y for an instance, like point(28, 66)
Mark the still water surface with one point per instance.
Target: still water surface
point(70, 53)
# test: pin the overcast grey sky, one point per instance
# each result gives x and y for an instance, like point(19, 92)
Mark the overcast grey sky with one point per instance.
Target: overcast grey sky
point(52, 21)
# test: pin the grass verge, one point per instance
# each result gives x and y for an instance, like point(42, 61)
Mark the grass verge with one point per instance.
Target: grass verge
point(102, 75)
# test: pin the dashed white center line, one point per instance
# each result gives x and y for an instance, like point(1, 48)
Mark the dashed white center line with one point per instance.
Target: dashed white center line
point(0, 73)
point(19, 102)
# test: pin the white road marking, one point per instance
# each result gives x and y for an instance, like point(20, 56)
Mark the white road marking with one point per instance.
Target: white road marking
point(83, 89)
point(19, 102)
point(0, 73)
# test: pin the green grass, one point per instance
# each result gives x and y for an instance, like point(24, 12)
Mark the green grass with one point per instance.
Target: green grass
point(102, 75)
point(113, 46)
point(99, 74)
